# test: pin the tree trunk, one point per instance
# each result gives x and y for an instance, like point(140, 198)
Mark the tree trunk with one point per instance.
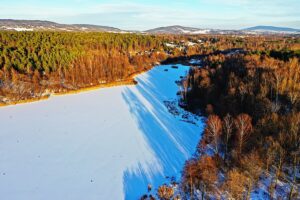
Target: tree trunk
point(191, 184)
point(294, 177)
point(226, 151)
point(203, 192)
point(249, 190)
point(291, 192)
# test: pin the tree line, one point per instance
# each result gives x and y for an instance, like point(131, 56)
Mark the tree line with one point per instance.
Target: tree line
point(35, 64)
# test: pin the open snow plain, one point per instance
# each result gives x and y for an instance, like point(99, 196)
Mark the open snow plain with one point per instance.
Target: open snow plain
point(104, 144)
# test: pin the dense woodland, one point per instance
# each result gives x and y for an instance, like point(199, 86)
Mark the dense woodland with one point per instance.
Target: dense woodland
point(37, 64)
point(251, 143)
point(34, 63)
point(253, 128)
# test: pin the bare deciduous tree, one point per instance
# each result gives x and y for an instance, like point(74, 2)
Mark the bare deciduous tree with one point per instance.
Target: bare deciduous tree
point(165, 192)
point(243, 124)
point(213, 131)
point(227, 129)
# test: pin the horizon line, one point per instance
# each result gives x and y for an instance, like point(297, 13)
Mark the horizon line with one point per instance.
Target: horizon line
point(160, 26)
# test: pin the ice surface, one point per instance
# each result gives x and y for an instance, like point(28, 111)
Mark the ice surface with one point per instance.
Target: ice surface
point(103, 144)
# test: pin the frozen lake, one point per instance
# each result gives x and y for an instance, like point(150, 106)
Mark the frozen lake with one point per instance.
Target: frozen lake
point(104, 144)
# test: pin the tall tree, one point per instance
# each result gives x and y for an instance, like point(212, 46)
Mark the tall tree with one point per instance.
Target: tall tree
point(213, 132)
point(243, 124)
point(228, 124)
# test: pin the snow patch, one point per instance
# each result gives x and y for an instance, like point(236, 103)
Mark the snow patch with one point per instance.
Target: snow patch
point(19, 28)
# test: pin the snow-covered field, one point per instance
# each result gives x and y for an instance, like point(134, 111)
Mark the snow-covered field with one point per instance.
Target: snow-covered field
point(104, 144)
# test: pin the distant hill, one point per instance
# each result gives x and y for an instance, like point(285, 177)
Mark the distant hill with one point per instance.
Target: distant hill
point(178, 30)
point(37, 25)
point(271, 29)
point(252, 30)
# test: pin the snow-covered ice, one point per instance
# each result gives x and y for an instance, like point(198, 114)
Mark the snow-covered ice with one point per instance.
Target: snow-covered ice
point(195, 62)
point(19, 28)
point(104, 144)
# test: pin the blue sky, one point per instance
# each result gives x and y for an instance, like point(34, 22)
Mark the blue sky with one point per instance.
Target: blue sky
point(146, 14)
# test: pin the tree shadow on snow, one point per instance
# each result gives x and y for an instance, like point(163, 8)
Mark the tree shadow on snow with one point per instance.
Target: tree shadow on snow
point(171, 140)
